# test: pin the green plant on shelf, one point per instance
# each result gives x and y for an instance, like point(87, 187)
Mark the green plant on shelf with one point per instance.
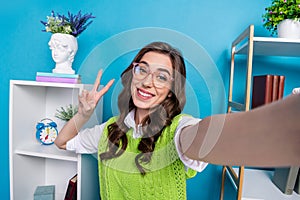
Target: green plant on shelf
point(278, 11)
point(66, 113)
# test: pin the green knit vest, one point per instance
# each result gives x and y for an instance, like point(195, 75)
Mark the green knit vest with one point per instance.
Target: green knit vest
point(165, 176)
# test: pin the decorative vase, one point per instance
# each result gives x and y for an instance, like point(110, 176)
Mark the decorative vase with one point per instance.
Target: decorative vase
point(64, 48)
point(289, 28)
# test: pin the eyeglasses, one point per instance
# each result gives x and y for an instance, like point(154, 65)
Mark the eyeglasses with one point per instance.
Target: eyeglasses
point(161, 77)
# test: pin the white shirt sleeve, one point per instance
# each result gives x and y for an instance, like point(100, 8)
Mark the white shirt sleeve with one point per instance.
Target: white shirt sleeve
point(193, 164)
point(87, 140)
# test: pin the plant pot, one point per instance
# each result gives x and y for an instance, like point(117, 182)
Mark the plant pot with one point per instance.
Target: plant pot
point(289, 28)
point(64, 48)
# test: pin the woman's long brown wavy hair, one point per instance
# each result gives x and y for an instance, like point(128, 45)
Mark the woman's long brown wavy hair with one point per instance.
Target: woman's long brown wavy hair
point(159, 116)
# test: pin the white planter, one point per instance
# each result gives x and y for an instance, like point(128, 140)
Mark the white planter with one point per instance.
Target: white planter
point(289, 28)
point(64, 48)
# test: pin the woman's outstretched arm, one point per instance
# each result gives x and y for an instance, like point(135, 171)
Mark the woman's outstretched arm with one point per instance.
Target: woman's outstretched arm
point(267, 136)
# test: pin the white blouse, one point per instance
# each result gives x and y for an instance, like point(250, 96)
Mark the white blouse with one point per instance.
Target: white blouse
point(87, 139)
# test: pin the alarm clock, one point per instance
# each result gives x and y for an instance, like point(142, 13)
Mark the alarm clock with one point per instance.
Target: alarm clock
point(46, 131)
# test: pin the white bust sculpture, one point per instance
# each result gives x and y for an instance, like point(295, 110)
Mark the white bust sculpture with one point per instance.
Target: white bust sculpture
point(64, 48)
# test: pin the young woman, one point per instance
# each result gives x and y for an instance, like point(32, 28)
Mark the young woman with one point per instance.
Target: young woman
point(149, 150)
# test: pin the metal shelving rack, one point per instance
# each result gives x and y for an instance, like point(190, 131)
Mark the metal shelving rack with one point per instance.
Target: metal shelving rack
point(247, 44)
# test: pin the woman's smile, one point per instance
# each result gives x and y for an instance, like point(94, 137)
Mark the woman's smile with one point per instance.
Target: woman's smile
point(143, 94)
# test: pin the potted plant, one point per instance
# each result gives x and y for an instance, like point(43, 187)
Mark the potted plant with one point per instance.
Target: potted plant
point(71, 24)
point(281, 13)
point(63, 42)
point(66, 113)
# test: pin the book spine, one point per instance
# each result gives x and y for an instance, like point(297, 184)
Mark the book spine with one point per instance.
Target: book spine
point(281, 87)
point(269, 89)
point(275, 88)
point(57, 75)
point(57, 79)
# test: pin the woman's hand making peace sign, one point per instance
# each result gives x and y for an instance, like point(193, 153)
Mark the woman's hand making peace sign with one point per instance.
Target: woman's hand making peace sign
point(88, 100)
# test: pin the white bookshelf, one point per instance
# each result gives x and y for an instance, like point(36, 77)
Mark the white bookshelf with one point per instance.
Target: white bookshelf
point(33, 164)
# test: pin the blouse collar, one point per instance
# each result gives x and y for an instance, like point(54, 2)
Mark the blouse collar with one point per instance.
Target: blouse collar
point(130, 123)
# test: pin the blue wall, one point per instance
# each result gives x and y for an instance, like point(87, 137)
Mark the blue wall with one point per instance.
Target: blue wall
point(212, 25)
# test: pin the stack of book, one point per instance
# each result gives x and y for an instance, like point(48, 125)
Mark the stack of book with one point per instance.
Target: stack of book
point(57, 77)
point(266, 89)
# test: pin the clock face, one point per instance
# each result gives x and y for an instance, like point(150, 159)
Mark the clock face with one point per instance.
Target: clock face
point(47, 135)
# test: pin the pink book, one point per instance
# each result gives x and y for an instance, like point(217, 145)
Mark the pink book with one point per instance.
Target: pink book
point(57, 79)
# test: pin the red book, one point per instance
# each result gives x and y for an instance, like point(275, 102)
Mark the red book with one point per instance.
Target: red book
point(262, 90)
point(275, 87)
point(71, 193)
point(281, 87)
